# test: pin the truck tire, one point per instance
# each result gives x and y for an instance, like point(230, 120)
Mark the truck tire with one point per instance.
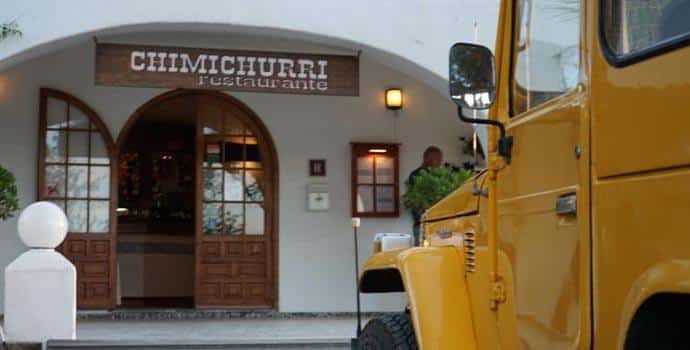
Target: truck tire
point(389, 332)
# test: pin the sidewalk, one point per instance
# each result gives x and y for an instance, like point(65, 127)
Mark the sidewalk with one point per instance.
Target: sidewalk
point(241, 329)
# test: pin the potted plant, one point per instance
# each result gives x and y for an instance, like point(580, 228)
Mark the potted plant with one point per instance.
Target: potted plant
point(431, 185)
point(9, 202)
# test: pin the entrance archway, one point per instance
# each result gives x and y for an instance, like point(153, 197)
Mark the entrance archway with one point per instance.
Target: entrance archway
point(233, 217)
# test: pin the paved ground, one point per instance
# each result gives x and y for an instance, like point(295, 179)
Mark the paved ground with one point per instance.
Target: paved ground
point(264, 329)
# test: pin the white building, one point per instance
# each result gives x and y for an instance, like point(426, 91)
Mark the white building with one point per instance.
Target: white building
point(212, 184)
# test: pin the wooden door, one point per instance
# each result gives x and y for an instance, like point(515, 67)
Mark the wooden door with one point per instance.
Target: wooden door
point(75, 171)
point(235, 225)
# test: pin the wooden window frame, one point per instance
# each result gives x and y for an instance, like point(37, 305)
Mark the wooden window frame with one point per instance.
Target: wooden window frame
point(206, 166)
point(360, 149)
point(95, 126)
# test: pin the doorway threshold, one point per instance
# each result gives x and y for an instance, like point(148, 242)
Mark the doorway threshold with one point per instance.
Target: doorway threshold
point(205, 314)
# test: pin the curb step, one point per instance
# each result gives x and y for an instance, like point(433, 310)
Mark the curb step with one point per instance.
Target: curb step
point(284, 344)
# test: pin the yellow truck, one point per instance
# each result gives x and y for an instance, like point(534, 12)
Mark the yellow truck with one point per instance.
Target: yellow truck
point(577, 235)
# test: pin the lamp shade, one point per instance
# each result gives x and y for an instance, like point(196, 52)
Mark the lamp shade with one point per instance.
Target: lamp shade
point(394, 98)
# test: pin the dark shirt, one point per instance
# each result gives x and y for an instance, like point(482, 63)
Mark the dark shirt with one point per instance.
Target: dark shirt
point(417, 217)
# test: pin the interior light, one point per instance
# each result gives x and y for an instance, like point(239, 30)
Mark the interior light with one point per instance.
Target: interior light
point(122, 211)
point(378, 150)
point(394, 98)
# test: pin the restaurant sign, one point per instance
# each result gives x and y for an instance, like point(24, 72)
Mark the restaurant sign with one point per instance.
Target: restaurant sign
point(257, 71)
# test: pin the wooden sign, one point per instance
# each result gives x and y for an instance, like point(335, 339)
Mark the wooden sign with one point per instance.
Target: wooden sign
point(256, 71)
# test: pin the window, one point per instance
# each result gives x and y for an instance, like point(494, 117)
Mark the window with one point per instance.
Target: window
point(75, 168)
point(233, 194)
point(375, 185)
point(546, 53)
point(633, 26)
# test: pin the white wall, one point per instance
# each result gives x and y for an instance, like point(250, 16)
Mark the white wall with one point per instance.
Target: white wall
point(316, 263)
point(413, 34)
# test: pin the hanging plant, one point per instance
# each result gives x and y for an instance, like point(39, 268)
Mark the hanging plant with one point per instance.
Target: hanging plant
point(9, 29)
point(431, 185)
point(9, 202)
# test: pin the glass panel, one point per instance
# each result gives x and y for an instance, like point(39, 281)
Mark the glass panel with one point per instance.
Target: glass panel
point(385, 199)
point(55, 146)
point(99, 216)
point(254, 185)
point(212, 155)
point(213, 185)
point(233, 185)
point(253, 159)
point(78, 151)
point(385, 172)
point(212, 219)
point(255, 219)
point(234, 219)
point(365, 198)
point(233, 126)
point(213, 123)
point(546, 53)
point(54, 181)
point(234, 151)
point(634, 25)
point(77, 118)
point(99, 153)
point(56, 113)
point(76, 181)
point(76, 215)
point(365, 170)
point(99, 182)
point(60, 204)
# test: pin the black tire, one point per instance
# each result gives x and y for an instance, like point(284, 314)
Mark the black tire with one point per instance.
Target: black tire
point(389, 332)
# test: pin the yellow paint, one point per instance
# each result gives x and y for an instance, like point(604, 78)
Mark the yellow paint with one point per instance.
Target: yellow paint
point(435, 302)
point(570, 281)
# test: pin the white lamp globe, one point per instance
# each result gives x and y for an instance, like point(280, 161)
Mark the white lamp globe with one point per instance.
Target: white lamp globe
point(42, 225)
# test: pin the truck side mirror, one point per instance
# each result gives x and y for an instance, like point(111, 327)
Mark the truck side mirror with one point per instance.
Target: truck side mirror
point(472, 76)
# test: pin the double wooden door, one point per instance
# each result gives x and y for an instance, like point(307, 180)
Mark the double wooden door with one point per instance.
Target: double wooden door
point(235, 196)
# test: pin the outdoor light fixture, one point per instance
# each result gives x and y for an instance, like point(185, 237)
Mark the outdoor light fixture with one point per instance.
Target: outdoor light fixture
point(378, 150)
point(394, 98)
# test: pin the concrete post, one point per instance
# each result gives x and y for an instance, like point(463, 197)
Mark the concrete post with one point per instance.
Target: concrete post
point(40, 285)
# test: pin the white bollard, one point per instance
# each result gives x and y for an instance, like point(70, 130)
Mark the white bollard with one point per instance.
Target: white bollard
point(40, 285)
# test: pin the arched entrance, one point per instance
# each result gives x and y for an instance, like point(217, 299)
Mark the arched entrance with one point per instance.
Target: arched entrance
point(198, 181)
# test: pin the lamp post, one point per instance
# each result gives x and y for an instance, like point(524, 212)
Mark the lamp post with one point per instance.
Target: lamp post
point(356, 222)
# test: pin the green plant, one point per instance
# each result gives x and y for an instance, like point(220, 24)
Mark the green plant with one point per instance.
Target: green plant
point(431, 185)
point(9, 29)
point(9, 202)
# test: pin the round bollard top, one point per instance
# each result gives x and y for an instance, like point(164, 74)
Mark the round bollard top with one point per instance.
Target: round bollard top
point(42, 225)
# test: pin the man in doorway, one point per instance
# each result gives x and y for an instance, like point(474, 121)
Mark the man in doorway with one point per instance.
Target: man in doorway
point(432, 158)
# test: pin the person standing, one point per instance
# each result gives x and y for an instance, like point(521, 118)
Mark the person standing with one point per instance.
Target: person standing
point(432, 158)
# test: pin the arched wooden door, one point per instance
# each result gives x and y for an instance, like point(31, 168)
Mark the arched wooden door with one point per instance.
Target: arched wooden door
point(236, 202)
point(76, 173)
point(237, 232)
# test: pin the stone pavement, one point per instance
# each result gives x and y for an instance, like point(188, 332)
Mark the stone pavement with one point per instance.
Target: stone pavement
point(204, 330)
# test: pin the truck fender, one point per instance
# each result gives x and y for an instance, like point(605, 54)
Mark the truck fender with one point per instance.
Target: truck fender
point(433, 279)
point(672, 276)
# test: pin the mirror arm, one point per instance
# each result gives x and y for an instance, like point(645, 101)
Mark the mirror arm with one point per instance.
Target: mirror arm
point(505, 143)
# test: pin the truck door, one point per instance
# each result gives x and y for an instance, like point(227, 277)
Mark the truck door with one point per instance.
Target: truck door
point(539, 221)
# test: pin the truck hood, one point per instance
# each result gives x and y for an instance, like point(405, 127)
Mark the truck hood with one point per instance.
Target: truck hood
point(461, 202)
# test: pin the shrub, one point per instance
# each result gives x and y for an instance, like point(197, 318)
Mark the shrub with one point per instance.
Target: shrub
point(431, 185)
point(9, 202)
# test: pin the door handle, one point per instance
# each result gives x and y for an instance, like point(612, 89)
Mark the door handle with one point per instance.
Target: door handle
point(567, 204)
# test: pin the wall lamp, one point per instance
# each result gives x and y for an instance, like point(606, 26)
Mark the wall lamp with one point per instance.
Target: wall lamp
point(394, 98)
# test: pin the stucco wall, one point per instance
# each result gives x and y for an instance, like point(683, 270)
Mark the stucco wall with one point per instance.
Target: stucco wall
point(411, 34)
point(315, 252)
